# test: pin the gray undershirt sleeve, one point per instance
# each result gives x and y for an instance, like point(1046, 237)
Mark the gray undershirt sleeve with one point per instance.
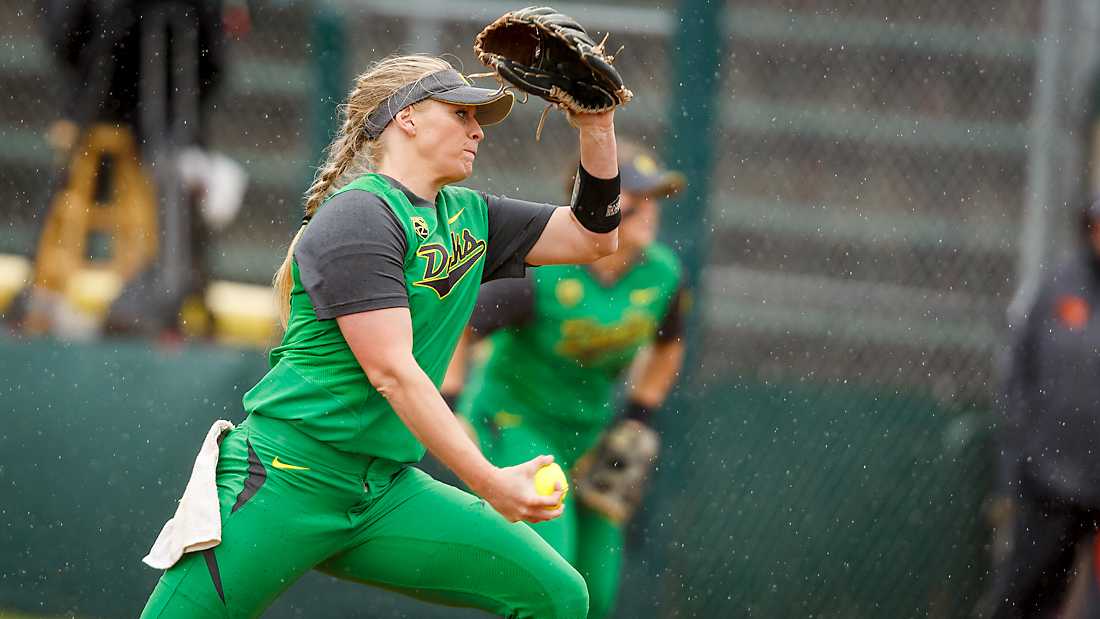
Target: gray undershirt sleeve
point(351, 256)
point(514, 228)
point(504, 303)
point(672, 327)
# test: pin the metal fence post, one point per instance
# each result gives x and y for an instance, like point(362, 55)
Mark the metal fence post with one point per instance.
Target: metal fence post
point(329, 71)
point(689, 144)
point(696, 58)
point(1057, 161)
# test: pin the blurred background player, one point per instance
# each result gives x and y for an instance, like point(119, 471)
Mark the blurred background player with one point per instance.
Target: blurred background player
point(559, 343)
point(1050, 436)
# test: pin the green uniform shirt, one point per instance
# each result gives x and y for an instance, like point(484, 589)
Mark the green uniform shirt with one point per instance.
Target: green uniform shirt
point(565, 361)
point(316, 382)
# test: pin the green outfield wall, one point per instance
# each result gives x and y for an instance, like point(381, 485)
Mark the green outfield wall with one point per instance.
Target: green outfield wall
point(771, 500)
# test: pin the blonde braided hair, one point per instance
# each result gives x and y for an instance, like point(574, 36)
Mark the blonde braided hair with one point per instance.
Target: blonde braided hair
point(351, 151)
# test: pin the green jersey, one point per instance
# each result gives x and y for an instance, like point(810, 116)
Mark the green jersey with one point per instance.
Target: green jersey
point(316, 382)
point(565, 359)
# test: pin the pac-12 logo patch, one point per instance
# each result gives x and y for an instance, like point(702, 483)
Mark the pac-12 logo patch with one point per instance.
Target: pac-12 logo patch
point(569, 292)
point(420, 227)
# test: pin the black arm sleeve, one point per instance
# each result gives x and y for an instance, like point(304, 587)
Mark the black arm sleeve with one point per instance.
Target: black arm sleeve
point(505, 303)
point(596, 201)
point(672, 327)
point(351, 256)
point(514, 228)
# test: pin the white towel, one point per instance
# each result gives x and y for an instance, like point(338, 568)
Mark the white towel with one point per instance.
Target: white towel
point(197, 524)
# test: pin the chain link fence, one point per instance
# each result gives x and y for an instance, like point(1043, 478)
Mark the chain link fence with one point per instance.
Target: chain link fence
point(869, 191)
point(830, 455)
point(867, 206)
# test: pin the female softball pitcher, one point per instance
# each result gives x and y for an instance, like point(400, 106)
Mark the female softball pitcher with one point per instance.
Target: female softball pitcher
point(559, 342)
point(376, 289)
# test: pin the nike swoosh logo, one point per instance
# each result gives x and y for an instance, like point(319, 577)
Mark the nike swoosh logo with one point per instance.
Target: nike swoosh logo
point(289, 467)
point(452, 220)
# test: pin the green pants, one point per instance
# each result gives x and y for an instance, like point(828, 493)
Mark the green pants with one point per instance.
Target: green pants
point(290, 504)
point(588, 540)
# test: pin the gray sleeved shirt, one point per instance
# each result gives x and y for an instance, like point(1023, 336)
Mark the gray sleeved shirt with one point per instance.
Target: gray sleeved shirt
point(351, 254)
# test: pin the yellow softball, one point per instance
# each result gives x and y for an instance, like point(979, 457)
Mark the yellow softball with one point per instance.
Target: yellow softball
point(545, 479)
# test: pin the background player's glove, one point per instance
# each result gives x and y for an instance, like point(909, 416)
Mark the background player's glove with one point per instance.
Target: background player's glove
point(611, 477)
point(548, 54)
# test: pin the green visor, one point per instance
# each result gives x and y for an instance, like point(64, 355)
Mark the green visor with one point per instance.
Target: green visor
point(448, 86)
